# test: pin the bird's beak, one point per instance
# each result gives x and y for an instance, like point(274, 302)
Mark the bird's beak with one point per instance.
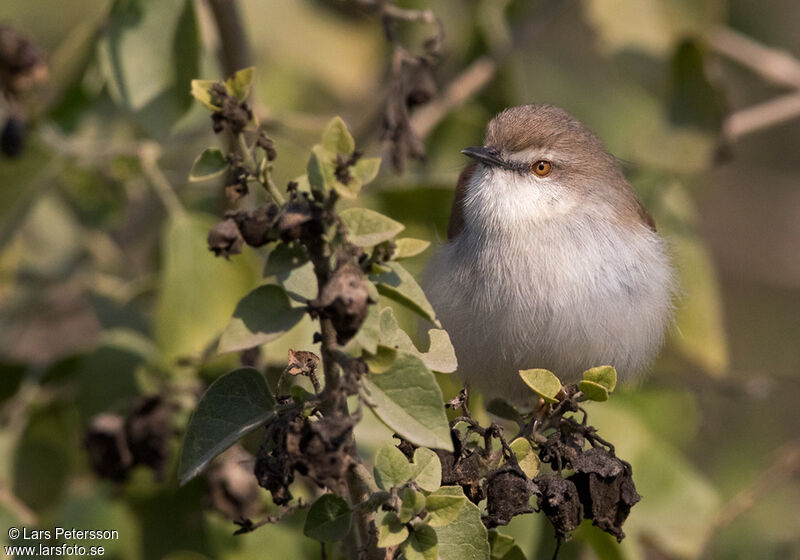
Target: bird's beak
point(489, 156)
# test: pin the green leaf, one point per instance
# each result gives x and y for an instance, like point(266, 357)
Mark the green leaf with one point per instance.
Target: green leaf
point(504, 547)
point(211, 163)
point(407, 398)
point(201, 91)
point(399, 285)
point(391, 531)
point(444, 505)
point(501, 408)
point(365, 170)
point(411, 503)
point(367, 228)
point(337, 139)
point(149, 51)
point(197, 292)
point(543, 382)
point(441, 356)
point(602, 375)
point(391, 467)
point(315, 169)
point(329, 519)
point(381, 360)
point(409, 247)
point(289, 266)
point(699, 317)
point(239, 84)
point(369, 333)
point(593, 391)
point(526, 456)
point(262, 316)
point(427, 469)
point(422, 544)
point(465, 538)
point(235, 404)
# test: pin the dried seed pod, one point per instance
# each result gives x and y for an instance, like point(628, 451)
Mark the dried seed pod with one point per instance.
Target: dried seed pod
point(232, 489)
point(224, 239)
point(257, 227)
point(508, 492)
point(22, 63)
point(105, 442)
point(560, 502)
point(148, 430)
point(344, 300)
point(299, 220)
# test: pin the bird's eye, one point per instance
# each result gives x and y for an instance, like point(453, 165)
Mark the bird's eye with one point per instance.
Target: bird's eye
point(542, 168)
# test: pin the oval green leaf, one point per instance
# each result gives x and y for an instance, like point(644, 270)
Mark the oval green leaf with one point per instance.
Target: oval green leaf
point(239, 84)
point(444, 505)
point(391, 467)
point(391, 531)
point(543, 382)
point(411, 503)
point(409, 247)
point(407, 398)
point(593, 391)
point(602, 375)
point(211, 163)
point(233, 405)
point(260, 317)
point(337, 139)
point(466, 537)
point(329, 519)
point(367, 228)
point(427, 469)
point(526, 456)
point(422, 544)
point(197, 293)
point(399, 285)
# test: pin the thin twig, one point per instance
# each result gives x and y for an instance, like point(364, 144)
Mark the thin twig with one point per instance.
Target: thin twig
point(472, 80)
point(149, 153)
point(785, 465)
point(764, 115)
point(773, 65)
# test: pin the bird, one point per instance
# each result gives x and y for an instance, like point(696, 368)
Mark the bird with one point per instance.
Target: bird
point(551, 259)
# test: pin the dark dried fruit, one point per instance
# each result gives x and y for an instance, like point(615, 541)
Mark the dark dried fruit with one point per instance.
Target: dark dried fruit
point(559, 500)
point(273, 469)
point(12, 138)
point(149, 429)
point(257, 227)
point(224, 239)
point(107, 446)
point(22, 62)
point(265, 142)
point(231, 487)
point(344, 299)
point(321, 450)
point(508, 492)
point(299, 220)
point(606, 489)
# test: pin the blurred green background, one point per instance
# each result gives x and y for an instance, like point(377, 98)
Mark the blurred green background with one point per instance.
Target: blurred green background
point(95, 307)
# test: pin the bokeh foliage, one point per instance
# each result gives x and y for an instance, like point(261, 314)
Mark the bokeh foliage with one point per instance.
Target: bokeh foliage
point(105, 295)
